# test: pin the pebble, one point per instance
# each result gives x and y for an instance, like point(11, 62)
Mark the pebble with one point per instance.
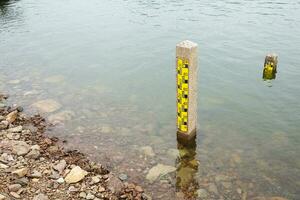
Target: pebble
point(40, 197)
point(2, 197)
point(33, 154)
point(20, 148)
point(90, 196)
point(202, 193)
point(17, 129)
point(60, 180)
point(73, 189)
point(35, 174)
point(15, 195)
point(14, 187)
point(60, 167)
point(123, 177)
point(101, 189)
point(11, 117)
point(139, 189)
point(3, 166)
point(21, 172)
point(95, 180)
point(82, 194)
point(75, 175)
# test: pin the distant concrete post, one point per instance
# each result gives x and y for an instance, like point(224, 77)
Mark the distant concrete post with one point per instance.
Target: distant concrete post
point(186, 78)
point(270, 67)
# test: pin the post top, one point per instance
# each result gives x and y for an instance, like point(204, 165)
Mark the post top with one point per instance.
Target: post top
point(187, 44)
point(272, 55)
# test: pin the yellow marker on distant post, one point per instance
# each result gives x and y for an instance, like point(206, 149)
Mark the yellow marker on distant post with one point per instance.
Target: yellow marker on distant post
point(186, 79)
point(270, 67)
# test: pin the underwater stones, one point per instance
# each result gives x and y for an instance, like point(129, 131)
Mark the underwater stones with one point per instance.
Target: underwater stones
point(61, 117)
point(173, 153)
point(202, 193)
point(159, 170)
point(75, 175)
point(212, 188)
point(14, 82)
point(123, 177)
point(106, 129)
point(47, 106)
point(148, 151)
point(114, 184)
point(55, 79)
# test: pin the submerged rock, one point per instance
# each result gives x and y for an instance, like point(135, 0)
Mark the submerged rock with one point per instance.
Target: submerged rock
point(55, 79)
point(75, 175)
point(202, 193)
point(61, 117)
point(123, 177)
point(114, 184)
point(148, 151)
point(159, 170)
point(173, 153)
point(47, 106)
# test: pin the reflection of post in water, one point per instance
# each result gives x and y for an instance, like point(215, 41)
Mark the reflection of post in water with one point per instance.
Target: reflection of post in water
point(270, 67)
point(187, 166)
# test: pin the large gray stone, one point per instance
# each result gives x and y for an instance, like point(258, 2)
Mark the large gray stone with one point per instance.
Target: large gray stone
point(159, 170)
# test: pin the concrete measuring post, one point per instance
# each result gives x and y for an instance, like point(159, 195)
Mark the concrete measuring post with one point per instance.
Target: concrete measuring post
point(186, 82)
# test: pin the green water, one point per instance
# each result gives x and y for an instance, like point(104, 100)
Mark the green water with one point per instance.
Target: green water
point(111, 64)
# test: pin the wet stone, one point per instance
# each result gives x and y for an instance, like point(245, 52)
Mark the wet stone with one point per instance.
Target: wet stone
point(47, 106)
point(148, 151)
point(202, 193)
point(123, 177)
point(212, 188)
point(159, 170)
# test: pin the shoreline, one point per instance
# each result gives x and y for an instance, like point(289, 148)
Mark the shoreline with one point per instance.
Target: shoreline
point(36, 166)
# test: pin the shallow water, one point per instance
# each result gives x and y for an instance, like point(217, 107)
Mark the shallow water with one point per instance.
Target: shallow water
point(110, 64)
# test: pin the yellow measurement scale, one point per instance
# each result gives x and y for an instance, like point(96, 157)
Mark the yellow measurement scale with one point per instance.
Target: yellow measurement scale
point(182, 94)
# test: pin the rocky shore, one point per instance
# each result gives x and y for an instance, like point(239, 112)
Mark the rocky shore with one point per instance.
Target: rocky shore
point(35, 166)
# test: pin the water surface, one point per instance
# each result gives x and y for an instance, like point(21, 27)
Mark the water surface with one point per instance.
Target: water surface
point(111, 65)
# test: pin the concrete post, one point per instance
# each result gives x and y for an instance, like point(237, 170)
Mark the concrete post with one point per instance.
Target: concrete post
point(186, 78)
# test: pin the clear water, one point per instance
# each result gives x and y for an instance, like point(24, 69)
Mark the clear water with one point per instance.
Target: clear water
point(111, 64)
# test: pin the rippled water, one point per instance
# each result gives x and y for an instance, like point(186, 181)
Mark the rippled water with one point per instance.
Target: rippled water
point(111, 65)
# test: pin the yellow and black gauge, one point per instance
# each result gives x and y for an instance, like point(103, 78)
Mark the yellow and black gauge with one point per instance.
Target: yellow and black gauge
point(270, 71)
point(182, 94)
